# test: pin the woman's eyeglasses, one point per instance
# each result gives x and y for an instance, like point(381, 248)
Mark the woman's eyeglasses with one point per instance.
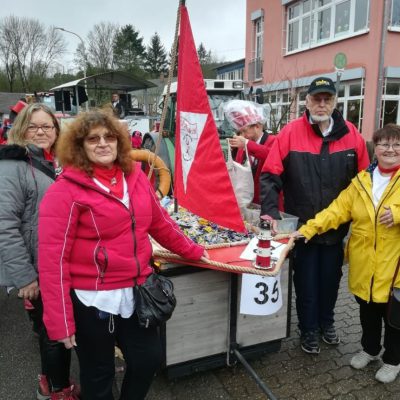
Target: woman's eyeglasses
point(44, 128)
point(95, 139)
point(387, 146)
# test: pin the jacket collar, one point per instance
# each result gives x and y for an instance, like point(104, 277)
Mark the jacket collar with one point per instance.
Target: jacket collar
point(13, 152)
point(82, 178)
point(339, 128)
point(17, 152)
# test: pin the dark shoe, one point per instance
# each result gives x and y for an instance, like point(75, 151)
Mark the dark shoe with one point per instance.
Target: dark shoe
point(330, 336)
point(310, 342)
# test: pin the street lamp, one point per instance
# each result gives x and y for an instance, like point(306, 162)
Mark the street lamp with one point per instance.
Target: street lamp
point(84, 69)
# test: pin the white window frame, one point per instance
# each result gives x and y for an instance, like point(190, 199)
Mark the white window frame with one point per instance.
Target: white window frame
point(258, 37)
point(389, 97)
point(276, 106)
point(394, 27)
point(311, 16)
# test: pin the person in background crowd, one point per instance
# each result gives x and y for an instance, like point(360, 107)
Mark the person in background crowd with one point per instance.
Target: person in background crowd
point(118, 106)
point(94, 246)
point(248, 119)
point(27, 170)
point(14, 111)
point(372, 204)
point(3, 137)
point(136, 139)
point(313, 159)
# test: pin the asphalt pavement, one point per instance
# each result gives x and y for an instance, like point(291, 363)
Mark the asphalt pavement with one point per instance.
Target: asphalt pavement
point(290, 373)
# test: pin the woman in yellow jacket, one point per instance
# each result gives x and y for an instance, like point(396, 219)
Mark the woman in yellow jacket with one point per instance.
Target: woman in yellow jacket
point(372, 203)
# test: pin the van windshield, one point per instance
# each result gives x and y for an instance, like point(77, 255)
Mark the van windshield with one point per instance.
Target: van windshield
point(217, 103)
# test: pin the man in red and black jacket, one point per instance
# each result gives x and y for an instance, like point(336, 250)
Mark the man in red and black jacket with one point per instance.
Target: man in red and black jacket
point(312, 160)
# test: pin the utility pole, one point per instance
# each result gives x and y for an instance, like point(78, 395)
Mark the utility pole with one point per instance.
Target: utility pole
point(84, 68)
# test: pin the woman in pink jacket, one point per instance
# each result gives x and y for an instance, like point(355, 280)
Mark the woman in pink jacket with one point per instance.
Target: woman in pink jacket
point(94, 247)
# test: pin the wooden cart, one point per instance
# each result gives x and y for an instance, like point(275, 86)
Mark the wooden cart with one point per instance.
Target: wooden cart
point(206, 329)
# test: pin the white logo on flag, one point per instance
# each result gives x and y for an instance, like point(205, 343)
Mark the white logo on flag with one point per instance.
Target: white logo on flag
point(192, 126)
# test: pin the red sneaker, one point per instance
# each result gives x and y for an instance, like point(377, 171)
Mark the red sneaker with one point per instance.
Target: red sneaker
point(43, 391)
point(65, 394)
point(72, 392)
point(28, 305)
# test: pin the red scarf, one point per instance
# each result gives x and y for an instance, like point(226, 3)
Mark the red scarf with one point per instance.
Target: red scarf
point(113, 179)
point(392, 170)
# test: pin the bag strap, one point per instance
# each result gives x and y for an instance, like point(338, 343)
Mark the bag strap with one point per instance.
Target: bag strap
point(247, 155)
point(230, 159)
point(39, 166)
point(395, 275)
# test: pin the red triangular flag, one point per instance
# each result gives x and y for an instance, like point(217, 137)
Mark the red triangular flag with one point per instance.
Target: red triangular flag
point(202, 183)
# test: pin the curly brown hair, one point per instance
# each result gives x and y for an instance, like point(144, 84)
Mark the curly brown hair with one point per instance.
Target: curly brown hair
point(70, 150)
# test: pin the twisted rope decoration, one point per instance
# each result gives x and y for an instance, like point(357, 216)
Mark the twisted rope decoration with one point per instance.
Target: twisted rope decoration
point(165, 256)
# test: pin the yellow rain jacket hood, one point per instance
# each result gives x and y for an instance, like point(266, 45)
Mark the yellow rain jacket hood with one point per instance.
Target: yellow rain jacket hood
point(373, 249)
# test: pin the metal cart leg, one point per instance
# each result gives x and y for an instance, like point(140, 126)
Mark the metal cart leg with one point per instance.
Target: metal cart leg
point(234, 354)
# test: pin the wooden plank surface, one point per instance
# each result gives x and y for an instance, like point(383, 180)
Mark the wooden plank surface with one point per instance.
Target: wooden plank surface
point(199, 325)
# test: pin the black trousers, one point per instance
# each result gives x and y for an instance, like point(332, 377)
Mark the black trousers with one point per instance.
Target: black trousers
point(55, 358)
point(317, 273)
point(371, 316)
point(96, 338)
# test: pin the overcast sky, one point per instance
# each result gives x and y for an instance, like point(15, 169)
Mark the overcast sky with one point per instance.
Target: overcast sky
point(218, 24)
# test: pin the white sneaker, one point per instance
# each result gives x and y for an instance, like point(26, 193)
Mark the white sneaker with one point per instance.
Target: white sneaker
point(362, 359)
point(387, 373)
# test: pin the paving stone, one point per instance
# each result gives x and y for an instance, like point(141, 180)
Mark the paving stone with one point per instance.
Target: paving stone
point(316, 381)
point(343, 386)
point(290, 373)
point(374, 393)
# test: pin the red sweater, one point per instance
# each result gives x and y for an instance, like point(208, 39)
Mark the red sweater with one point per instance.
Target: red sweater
point(89, 240)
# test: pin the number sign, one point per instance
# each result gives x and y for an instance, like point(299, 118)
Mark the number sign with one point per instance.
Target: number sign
point(261, 295)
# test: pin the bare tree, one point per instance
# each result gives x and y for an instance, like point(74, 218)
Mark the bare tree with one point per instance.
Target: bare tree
point(100, 45)
point(28, 48)
point(9, 61)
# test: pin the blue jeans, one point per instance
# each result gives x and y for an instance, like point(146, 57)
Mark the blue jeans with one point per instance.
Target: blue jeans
point(317, 273)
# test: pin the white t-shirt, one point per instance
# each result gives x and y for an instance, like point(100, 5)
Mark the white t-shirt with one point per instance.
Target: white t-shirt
point(115, 301)
point(379, 183)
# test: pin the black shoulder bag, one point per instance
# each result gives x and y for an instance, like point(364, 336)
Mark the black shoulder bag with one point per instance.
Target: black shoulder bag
point(154, 300)
point(393, 310)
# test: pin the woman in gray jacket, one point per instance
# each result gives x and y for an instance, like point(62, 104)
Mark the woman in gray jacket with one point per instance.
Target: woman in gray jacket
point(26, 171)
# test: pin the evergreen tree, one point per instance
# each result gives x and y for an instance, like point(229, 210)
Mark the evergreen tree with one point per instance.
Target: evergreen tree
point(203, 54)
point(129, 51)
point(156, 57)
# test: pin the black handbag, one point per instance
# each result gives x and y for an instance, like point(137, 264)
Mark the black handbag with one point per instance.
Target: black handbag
point(393, 310)
point(154, 300)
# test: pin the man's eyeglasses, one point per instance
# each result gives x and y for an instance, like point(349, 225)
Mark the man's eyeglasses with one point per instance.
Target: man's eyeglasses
point(95, 139)
point(319, 99)
point(387, 146)
point(44, 128)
